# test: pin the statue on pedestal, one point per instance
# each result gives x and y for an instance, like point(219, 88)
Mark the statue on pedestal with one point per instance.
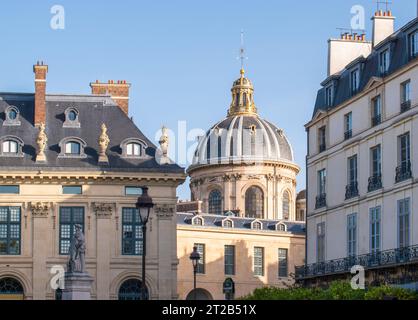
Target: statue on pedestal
point(163, 151)
point(41, 141)
point(77, 252)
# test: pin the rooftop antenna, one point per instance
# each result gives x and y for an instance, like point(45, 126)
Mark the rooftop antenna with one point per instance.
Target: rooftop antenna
point(384, 2)
point(242, 55)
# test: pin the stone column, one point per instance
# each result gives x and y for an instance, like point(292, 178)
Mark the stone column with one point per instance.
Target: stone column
point(40, 212)
point(103, 214)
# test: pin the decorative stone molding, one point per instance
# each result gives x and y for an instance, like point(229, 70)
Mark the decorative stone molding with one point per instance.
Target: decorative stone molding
point(40, 209)
point(253, 177)
point(165, 210)
point(103, 210)
point(270, 177)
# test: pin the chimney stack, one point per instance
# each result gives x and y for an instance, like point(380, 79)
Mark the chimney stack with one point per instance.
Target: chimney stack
point(119, 92)
point(383, 26)
point(40, 71)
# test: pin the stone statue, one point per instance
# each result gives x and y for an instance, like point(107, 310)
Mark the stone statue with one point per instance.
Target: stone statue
point(103, 144)
point(41, 141)
point(77, 252)
point(164, 142)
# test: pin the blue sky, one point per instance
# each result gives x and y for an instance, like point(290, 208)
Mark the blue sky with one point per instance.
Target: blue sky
point(180, 56)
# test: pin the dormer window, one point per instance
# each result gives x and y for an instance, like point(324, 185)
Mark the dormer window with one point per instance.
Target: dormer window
point(11, 146)
point(72, 147)
point(413, 44)
point(133, 148)
point(197, 221)
point(281, 227)
point(256, 225)
point(384, 62)
point(329, 95)
point(12, 116)
point(227, 223)
point(71, 118)
point(355, 80)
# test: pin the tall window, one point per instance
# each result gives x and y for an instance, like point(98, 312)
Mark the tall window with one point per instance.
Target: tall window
point(406, 91)
point(10, 147)
point(229, 260)
point(201, 263)
point(215, 202)
point(355, 81)
point(283, 269)
point(320, 242)
point(10, 230)
point(322, 143)
point(254, 203)
point(375, 229)
point(404, 150)
point(384, 61)
point(329, 95)
point(376, 165)
point(348, 124)
point(352, 234)
point(352, 170)
point(403, 222)
point(259, 261)
point(413, 44)
point(132, 237)
point(69, 217)
point(72, 148)
point(286, 205)
point(376, 111)
point(322, 174)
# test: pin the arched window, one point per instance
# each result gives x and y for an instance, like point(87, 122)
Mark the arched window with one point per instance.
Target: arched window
point(228, 224)
point(130, 290)
point(133, 149)
point(254, 203)
point(12, 116)
point(11, 287)
point(257, 225)
point(197, 221)
point(72, 148)
point(281, 227)
point(215, 202)
point(10, 147)
point(286, 205)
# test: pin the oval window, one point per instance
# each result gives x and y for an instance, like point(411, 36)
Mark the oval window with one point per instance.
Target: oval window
point(12, 114)
point(72, 115)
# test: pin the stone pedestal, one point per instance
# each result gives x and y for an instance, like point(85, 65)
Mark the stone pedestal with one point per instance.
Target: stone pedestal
point(77, 286)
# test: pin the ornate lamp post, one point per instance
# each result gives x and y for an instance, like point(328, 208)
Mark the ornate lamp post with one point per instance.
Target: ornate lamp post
point(194, 257)
point(144, 205)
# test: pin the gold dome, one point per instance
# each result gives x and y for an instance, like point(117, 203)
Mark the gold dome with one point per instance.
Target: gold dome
point(242, 97)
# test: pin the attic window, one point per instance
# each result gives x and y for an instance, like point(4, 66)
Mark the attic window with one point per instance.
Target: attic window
point(257, 225)
point(228, 223)
point(71, 118)
point(133, 148)
point(281, 227)
point(12, 116)
point(72, 147)
point(355, 81)
point(329, 95)
point(197, 221)
point(384, 61)
point(11, 147)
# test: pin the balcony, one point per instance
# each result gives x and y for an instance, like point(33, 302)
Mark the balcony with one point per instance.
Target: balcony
point(376, 120)
point(380, 259)
point(375, 183)
point(321, 201)
point(322, 147)
point(351, 190)
point(403, 172)
point(405, 106)
point(348, 134)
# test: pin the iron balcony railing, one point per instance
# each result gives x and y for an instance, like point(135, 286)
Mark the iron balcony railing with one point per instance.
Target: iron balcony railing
point(375, 183)
point(321, 201)
point(351, 190)
point(403, 172)
point(376, 120)
point(388, 258)
point(348, 134)
point(405, 106)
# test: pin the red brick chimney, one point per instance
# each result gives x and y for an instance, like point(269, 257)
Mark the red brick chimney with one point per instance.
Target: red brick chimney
point(40, 71)
point(119, 91)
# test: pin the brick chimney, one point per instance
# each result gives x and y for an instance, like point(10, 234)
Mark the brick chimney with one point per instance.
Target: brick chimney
point(383, 26)
point(40, 71)
point(119, 91)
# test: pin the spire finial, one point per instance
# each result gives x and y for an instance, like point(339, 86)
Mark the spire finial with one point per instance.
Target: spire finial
point(242, 55)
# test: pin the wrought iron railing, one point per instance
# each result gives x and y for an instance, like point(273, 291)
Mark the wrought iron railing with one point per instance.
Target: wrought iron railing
point(376, 120)
point(405, 106)
point(403, 172)
point(321, 201)
point(375, 183)
point(380, 259)
point(351, 190)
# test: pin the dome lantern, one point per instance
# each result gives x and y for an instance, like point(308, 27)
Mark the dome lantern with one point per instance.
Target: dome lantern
point(242, 97)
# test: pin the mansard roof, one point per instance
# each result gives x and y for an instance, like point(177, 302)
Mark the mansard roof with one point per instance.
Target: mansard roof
point(93, 112)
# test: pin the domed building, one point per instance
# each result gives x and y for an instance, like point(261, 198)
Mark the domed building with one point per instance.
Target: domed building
point(245, 164)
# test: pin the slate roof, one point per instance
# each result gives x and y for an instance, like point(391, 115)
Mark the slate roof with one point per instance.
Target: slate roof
point(93, 111)
point(398, 44)
point(215, 221)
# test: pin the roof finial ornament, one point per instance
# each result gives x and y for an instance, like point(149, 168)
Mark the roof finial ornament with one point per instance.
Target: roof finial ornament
point(41, 141)
point(242, 55)
point(103, 144)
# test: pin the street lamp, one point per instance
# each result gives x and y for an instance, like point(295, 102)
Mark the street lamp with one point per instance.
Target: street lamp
point(195, 257)
point(144, 205)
